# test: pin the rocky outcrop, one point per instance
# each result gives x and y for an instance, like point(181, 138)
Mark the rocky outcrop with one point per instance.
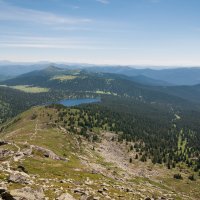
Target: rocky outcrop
point(65, 196)
point(48, 153)
point(86, 197)
point(79, 191)
point(3, 142)
point(28, 193)
point(4, 153)
point(4, 194)
point(19, 177)
point(27, 152)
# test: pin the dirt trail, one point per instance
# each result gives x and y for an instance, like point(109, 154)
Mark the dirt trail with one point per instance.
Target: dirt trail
point(35, 130)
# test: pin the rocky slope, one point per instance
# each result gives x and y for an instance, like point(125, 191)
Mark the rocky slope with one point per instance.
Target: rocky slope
point(41, 160)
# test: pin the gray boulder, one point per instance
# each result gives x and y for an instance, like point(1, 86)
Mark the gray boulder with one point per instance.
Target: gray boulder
point(65, 196)
point(28, 193)
point(19, 177)
point(86, 197)
point(27, 152)
point(4, 153)
point(2, 142)
point(48, 153)
point(4, 194)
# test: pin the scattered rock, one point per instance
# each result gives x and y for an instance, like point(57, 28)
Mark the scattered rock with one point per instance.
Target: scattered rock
point(105, 189)
point(19, 177)
point(18, 156)
point(65, 196)
point(79, 190)
point(128, 190)
point(48, 153)
point(105, 185)
point(86, 197)
point(28, 193)
point(94, 171)
point(27, 152)
point(22, 168)
point(7, 196)
point(101, 191)
point(89, 182)
point(4, 194)
point(2, 190)
point(3, 142)
point(4, 153)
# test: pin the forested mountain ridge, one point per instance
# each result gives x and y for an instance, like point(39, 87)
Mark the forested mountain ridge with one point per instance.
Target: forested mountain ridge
point(162, 77)
point(81, 153)
point(190, 93)
point(13, 101)
point(4, 77)
point(84, 81)
point(169, 76)
point(62, 83)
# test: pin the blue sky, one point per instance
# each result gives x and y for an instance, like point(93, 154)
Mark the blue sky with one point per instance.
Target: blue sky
point(125, 32)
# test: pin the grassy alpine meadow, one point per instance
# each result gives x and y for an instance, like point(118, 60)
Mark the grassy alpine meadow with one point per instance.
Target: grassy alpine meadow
point(64, 77)
point(28, 88)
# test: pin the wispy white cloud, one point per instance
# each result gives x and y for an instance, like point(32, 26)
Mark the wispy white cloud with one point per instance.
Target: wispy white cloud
point(46, 46)
point(44, 42)
point(60, 46)
point(10, 39)
point(9, 12)
point(33, 42)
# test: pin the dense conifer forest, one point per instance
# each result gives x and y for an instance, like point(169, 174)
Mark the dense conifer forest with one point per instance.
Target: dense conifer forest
point(159, 136)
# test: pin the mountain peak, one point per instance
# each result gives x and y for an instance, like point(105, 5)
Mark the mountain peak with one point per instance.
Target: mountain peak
point(53, 68)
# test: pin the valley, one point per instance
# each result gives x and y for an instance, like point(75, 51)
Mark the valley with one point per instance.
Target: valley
point(74, 134)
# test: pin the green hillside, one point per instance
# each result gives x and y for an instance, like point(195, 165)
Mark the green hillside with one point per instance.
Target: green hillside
point(56, 159)
point(81, 81)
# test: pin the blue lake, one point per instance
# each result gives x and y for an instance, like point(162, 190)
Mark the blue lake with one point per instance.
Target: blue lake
point(76, 102)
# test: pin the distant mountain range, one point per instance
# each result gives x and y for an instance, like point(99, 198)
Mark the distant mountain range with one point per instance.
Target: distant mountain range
point(147, 76)
point(86, 80)
point(175, 76)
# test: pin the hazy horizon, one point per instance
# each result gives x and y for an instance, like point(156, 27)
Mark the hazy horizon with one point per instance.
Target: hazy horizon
point(139, 66)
